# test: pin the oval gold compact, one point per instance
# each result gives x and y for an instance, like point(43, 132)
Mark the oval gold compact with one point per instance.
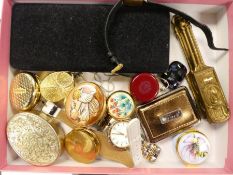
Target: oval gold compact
point(56, 86)
point(82, 145)
point(24, 91)
point(34, 139)
point(86, 104)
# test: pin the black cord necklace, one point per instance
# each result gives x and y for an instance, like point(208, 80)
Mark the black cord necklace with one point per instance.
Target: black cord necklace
point(111, 16)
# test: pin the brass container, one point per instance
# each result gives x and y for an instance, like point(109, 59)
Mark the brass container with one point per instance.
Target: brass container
point(168, 114)
point(34, 139)
point(202, 79)
point(24, 91)
point(82, 145)
point(85, 105)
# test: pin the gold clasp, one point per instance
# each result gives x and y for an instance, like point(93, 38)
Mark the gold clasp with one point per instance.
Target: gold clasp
point(117, 68)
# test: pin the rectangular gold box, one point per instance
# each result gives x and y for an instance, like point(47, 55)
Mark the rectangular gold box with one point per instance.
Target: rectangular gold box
point(168, 114)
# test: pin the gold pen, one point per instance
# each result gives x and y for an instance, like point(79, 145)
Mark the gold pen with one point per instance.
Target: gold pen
point(202, 79)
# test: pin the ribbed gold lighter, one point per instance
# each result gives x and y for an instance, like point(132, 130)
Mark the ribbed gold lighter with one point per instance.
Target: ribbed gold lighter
point(202, 79)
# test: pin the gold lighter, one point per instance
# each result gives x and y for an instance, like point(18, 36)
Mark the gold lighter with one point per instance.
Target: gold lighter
point(202, 79)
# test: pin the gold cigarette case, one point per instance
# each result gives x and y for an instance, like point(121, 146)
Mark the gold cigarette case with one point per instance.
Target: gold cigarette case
point(168, 114)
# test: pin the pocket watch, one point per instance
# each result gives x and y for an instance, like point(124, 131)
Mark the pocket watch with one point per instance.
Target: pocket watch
point(120, 105)
point(117, 134)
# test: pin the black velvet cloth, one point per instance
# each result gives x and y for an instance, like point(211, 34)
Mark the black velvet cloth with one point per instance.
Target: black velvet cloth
point(56, 37)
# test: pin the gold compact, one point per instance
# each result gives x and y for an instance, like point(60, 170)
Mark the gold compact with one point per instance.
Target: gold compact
point(120, 105)
point(56, 86)
point(192, 147)
point(168, 114)
point(86, 104)
point(24, 91)
point(34, 139)
point(82, 145)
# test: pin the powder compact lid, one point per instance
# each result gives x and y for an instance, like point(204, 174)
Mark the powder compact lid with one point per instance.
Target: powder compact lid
point(82, 145)
point(120, 105)
point(144, 87)
point(24, 92)
point(192, 147)
point(86, 104)
point(34, 139)
point(57, 86)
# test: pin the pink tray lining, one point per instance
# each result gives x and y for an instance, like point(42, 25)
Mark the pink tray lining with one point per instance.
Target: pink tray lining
point(4, 65)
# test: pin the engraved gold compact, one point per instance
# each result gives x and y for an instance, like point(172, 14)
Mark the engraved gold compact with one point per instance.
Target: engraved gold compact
point(56, 86)
point(24, 91)
point(120, 105)
point(34, 139)
point(168, 114)
point(86, 104)
point(82, 145)
point(192, 147)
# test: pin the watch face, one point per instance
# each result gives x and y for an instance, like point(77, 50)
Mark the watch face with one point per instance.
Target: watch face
point(118, 135)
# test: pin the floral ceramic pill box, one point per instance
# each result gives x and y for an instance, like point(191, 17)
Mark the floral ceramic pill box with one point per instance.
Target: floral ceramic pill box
point(87, 102)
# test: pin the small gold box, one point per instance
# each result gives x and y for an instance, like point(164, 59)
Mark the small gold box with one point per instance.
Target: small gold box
point(168, 114)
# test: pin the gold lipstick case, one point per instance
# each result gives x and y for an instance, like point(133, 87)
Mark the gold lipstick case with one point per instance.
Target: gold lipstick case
point(35, 139)
point(202, 79)
point(168, 114)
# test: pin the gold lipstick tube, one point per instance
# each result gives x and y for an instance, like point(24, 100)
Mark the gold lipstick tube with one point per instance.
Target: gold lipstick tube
point(202, 79)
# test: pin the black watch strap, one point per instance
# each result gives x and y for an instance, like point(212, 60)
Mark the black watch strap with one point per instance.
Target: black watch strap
point(111, 16)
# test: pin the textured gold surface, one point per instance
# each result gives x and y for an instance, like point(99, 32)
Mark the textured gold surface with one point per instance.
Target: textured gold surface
point(108, 151)
point(56, 86)
point(34, 139)
point(86, 104)
point(202, 79)
point(82, 145)
point(24, 92)
point(150, 114)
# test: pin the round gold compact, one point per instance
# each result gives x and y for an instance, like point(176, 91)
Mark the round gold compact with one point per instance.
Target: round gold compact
point(120, 105)
point(56, 86)
point(192, 147)
point(35, 140)
point(24, 91)
point(82, 145)
point(86, 104)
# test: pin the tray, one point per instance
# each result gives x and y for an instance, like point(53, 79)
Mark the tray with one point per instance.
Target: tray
point(218, 15)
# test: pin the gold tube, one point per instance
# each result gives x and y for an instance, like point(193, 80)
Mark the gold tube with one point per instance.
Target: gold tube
point(202, 79)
